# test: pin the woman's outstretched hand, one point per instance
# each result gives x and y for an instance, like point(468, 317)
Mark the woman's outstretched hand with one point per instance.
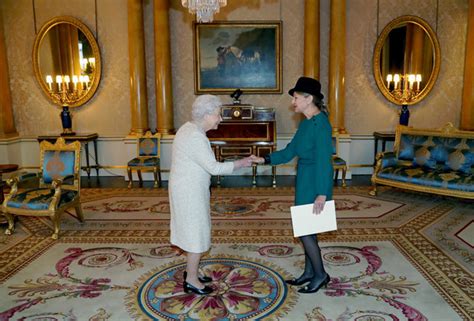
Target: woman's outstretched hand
point(318, 205)
point(244, 162)
point(257, 160)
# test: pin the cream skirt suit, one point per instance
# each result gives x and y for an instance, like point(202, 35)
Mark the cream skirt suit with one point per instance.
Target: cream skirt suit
point(192, 164)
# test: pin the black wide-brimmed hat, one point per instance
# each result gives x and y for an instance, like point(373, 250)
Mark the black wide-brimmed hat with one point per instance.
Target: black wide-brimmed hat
point(307, 85)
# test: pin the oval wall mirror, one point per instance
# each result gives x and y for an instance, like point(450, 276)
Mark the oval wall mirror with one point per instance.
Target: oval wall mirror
point(66, 61)
point(406, 60)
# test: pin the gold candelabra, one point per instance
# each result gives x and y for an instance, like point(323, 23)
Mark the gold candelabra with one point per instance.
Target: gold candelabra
point(405, 88)
point(68, 92)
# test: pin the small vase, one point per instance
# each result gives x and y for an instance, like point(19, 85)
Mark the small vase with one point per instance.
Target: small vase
point(404, 115)
point(66, 121)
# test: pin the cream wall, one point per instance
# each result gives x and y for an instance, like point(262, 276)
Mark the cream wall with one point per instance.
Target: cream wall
point(108, 112)
point(366, 109)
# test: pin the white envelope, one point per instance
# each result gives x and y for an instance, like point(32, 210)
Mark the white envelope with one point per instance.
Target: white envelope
point(305, 222)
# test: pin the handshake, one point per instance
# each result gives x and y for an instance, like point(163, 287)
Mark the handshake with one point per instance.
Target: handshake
point(248, 161)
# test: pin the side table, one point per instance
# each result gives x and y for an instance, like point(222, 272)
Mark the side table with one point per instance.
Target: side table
point(384, 137)
point(5, 168)
point(84, 139)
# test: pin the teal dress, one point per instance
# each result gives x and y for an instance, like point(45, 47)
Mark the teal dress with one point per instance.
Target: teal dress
point(312, 144)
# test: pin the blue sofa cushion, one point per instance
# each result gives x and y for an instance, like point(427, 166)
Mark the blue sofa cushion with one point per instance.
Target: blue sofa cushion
point(57, 164)
point(424, 156)
point(439, 177)
point(337, 161)
point(148, 146)
point(460, 160)
point(144, 161)
point(408, 144)
point(39, 199)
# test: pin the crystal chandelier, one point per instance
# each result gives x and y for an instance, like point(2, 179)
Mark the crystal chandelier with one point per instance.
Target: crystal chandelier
point(204, 9)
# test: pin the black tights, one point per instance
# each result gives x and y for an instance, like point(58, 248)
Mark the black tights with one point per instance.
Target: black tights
point(313, 265)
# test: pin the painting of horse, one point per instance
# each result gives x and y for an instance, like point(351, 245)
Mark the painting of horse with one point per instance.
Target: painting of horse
point(231, 55)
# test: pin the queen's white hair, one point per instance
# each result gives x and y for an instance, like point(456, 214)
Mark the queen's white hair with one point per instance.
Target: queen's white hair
point(205, 105)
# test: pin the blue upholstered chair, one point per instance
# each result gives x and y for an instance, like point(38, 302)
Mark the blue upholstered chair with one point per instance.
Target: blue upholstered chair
point(148, 159)
point(58, 188)
point(338, 162)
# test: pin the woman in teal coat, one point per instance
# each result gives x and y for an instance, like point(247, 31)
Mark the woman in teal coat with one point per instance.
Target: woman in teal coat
point(312, 144)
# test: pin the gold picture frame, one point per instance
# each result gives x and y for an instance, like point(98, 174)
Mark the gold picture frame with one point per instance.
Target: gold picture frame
point(238, 55)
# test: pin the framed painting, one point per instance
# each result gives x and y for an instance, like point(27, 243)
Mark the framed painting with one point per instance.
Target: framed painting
point(237, 55)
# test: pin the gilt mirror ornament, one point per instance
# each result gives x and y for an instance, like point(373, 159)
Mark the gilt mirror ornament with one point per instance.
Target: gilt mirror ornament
point(406, 61)
point(67, 64)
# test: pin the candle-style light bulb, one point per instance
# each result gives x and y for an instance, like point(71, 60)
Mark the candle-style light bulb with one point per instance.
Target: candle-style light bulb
point(83, 63)
point(92, 62)
point(81, 81)
point(396, 80)
point(418, 81)
point(389, 80)
point(75, 80)
point(411, 80)
point(87, 80)
point(49, 80)
point(59, 80)
point(67, 80)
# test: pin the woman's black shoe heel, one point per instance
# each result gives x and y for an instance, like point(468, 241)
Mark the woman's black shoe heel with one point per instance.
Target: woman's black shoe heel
point(314, 289)
point(299, 281)
point(189, 288)
point(202, 279)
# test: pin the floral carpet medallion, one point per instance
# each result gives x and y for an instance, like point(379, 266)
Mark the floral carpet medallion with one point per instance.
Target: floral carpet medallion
point(243, 290)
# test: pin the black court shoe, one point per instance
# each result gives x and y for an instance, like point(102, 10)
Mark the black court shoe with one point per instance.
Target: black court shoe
point(313, 289)
point(298, 281)
point(189, 288)
point(202, 279)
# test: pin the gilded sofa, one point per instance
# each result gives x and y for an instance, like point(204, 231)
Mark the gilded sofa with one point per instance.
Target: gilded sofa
point(438, 161)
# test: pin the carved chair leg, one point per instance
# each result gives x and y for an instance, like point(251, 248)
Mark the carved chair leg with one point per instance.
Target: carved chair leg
point(373, 191)
point(56, 218)
point(79, 213)
point(336, 175)
point(140, 179)
point(254, 175)
point(129, 172)
point(274, 171)
point(159, 177)
point(155, 176)
point(11, 223)
point(344, 170)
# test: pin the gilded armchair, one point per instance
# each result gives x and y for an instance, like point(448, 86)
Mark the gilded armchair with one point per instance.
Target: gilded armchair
point(57, 191)
point(148, 159)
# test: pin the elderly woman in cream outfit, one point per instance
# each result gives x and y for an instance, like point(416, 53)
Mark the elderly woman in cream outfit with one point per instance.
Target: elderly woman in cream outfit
point(192, 164)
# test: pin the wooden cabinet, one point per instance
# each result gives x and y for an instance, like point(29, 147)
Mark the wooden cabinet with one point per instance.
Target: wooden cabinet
point(245, 130)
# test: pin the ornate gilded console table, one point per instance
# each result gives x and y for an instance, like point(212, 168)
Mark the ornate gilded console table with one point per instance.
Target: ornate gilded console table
point(384, 136)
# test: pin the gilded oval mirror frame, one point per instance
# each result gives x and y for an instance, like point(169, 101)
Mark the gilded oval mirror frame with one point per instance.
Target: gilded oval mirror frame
point(73, 40)
point(429, 55)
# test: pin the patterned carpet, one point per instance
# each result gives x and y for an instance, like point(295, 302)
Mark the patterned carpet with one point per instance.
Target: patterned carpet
point(398, 256)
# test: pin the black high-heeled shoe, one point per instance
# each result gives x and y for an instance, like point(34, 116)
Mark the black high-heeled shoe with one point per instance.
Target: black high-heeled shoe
point(313, 289)
point(189, 288)
point(298, 281)
point(202, 279)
